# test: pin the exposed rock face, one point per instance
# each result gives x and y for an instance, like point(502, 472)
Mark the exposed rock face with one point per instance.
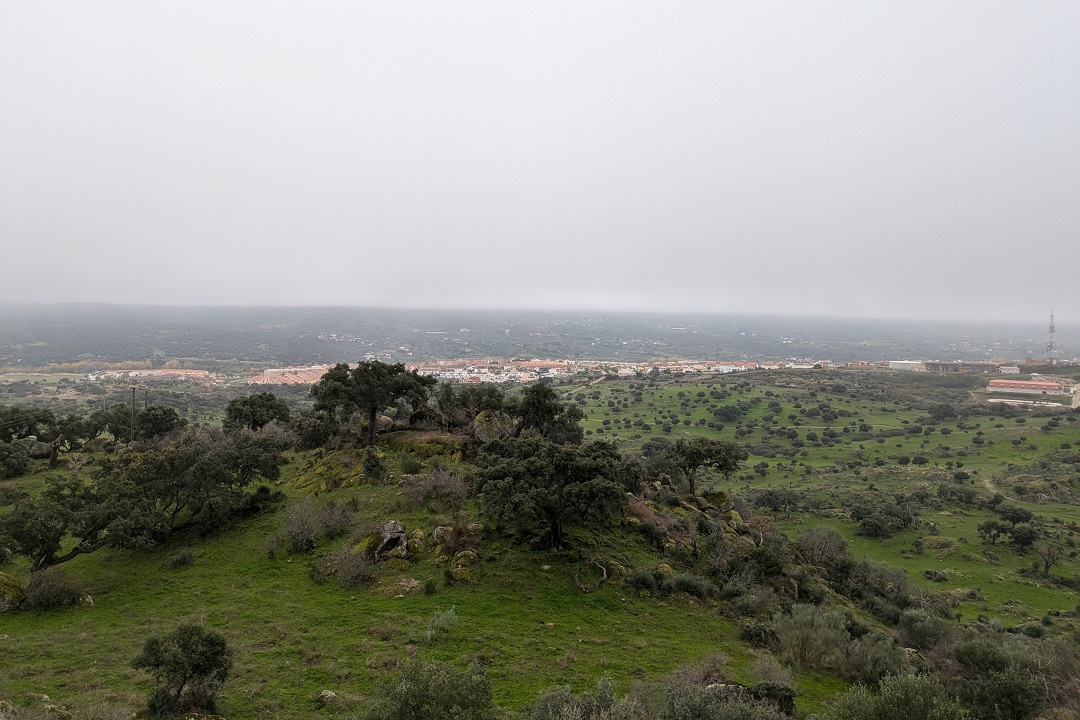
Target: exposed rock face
point(393, 536)
point(40, 450)
point(415, 544)
point(492, 425)
point(385, 541)
point(461, 568)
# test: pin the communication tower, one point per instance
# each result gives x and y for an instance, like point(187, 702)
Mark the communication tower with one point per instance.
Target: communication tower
point(1051, 343)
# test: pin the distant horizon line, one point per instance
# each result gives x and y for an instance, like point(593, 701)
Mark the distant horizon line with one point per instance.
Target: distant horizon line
point(579, 311)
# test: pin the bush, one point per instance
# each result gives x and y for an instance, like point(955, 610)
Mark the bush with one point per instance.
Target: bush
point(923, 631)
point(373, 464)
point(561, 703)
point(336, 520)
point(14, 459)
point(438, 490)
point(430, 587)
point(810, 636)
point(434, 691)
point(871, 658)
point(693, 585)
point(352, 569)
point(189, 666)
point(411, 465)
point(272, 546)
point(51, 588)
point(303, 527)
point(642, 580)
point(181, 559)
point(440, 624)
point(900, 697)
point(822, 547)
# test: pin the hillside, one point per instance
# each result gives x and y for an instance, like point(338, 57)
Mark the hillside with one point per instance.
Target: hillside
point(831, 523)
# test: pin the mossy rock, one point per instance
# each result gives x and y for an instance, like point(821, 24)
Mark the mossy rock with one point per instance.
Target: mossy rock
point(617, 570)
point(56, 712)
point(665, 571)
point(465, 558)
point(938, 542)
point(398, 564)
point(415, 547)
point(463, 574)
point(398, 552)
point(669, 546)
point(12, 593)
point(368, 544)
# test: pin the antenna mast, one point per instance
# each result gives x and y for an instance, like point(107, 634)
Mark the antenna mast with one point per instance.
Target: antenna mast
point(1051, 343)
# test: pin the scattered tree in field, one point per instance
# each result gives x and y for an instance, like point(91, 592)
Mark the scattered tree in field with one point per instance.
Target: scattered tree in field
point(1051, 554)
point(189, 666)
point(691, 455)
point(534, 481)
point(1014, 514)
point(991, 531)
point(255, 411)
point(368, 388)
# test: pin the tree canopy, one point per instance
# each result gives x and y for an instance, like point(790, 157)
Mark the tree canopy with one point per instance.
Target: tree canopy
point(255, 411)
point(535, 481)
point(690, 455)
point(540, 409)
point(369, 387)
point(189, 666)
point(137, 500)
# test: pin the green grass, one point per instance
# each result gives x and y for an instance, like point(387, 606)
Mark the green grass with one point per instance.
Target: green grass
point(293, 637)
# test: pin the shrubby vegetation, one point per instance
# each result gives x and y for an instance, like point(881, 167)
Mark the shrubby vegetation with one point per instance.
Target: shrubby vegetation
point(500, 483)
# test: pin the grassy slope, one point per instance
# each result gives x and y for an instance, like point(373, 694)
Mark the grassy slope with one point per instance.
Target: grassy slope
point(1003, 594)
point(294, 638)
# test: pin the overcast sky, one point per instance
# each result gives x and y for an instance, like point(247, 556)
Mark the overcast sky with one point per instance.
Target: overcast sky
point(895, 159)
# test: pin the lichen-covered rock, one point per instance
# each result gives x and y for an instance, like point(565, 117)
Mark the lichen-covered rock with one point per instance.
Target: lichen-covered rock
point(12, 593)
point(475, 531)
point(415, 547)
point(665, 571)
point(465, 558)
point(463, 574)
point(56, 712)
point(400, 565)
point(367, 544)
point(40, 450)
point(441, 534)
point(492, 425)
point(398, 551)
point(393, 533)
